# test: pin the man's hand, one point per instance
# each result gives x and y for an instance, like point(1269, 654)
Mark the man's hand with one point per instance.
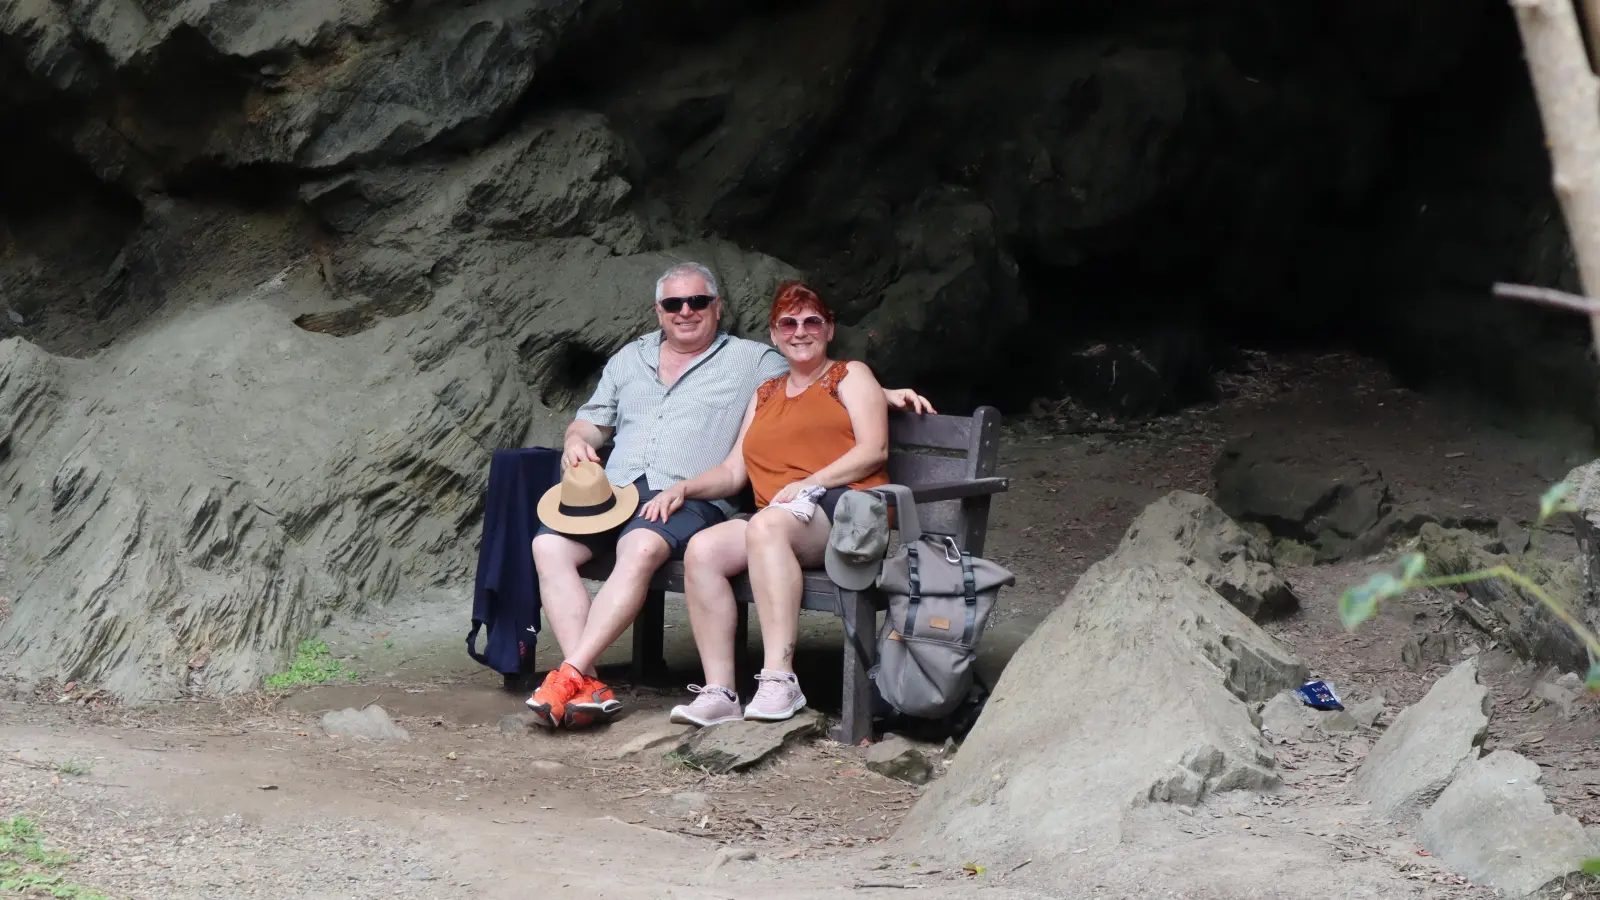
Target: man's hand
point(664, 504)
point(577, 450)
point(906, 398)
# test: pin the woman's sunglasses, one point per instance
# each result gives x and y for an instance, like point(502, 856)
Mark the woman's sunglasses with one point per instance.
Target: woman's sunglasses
point(697, 303)
point(787, 325)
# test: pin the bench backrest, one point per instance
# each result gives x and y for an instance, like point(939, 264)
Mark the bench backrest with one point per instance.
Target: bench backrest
point(930, 449)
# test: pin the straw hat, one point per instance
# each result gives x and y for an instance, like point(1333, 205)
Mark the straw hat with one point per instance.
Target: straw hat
point(586, 503)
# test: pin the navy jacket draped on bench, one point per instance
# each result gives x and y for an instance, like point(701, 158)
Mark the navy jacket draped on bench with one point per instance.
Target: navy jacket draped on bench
point(505, 600)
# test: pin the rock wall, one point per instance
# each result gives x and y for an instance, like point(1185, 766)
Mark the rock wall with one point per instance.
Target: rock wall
point(279, 275)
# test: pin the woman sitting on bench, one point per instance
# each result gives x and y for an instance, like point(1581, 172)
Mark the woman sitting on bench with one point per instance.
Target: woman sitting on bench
point(807, 437)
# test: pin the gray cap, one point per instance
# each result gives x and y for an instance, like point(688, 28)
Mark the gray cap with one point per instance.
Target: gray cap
point(858, 540)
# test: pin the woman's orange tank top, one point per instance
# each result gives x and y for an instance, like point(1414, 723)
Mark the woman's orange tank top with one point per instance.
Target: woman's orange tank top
point(790, 438)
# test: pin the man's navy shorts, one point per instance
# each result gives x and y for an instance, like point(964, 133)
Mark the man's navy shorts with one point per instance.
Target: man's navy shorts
point(693, 517)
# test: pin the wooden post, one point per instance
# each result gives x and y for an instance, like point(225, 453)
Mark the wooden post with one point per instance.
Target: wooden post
point(649, 638)
point(1568, 94)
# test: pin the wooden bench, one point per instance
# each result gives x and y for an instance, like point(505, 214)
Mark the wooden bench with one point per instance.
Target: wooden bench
point(947, 461)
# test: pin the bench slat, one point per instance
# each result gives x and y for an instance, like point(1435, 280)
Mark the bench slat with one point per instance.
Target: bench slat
point(939, 432)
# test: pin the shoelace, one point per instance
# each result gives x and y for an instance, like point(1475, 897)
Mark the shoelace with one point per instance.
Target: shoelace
point(769, 685)
point(714, 689)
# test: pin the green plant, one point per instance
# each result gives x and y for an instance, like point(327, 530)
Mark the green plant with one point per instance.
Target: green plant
point(23, 855)
point(313, 664)
point(1360, 603)
point(73, 767)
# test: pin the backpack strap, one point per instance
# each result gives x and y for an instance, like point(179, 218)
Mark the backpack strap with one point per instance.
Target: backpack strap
point(969, 585)
point(914, 600)
point(905, 511)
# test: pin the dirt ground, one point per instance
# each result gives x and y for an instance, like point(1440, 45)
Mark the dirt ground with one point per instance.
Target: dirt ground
point(245, 798)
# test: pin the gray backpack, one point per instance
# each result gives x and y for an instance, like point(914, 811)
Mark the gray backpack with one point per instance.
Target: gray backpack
point(940, 597)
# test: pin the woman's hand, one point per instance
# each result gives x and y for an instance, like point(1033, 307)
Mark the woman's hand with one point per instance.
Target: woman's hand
point(664, 504)
point(904, 398)
point(792, 490)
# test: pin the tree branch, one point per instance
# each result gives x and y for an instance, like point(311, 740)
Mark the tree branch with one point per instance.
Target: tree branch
point(1549, 297)
point(1568, 94)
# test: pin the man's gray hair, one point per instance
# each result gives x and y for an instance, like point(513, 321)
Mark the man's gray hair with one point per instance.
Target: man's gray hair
point(689, 268)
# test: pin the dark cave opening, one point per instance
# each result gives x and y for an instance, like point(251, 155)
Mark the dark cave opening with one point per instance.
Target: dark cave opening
point(1375, 223)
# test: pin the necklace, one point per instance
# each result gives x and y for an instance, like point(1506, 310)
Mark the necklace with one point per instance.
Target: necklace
point(821, 371)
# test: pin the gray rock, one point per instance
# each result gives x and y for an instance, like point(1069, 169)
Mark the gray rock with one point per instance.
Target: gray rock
point(691, 803)
point(1337, 721)
point(517, 724)
point(1426, 745)
point(369, 724)
point(1367, 711)
point(897, 758)
point(1329, 508)
point(1190, 530)
point(520, 273)
point(1554, 694)
point(726, 855)
point(740, 745)
point(1155, 671)
point(1494, 825)
point(1510, 538)
point(656, 736)
point(1437, 649)
point(1286, 718)
point(1515, 617)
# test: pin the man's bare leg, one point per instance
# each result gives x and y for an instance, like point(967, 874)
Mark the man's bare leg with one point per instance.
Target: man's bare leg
point(639, 554)
point(562, 596)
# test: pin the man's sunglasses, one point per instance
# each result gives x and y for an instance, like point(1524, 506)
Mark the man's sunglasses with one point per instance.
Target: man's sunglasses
point(787, 325)
point(697, 303)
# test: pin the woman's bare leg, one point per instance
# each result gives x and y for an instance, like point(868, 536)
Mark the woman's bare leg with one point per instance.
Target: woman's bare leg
point(712, 557)
point(778, 545)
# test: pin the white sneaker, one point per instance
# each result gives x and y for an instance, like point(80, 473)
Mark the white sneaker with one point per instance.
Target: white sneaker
point(714, 705)
point(778, 697)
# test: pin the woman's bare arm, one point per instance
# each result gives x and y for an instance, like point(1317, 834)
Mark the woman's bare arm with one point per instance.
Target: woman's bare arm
point(869, 418)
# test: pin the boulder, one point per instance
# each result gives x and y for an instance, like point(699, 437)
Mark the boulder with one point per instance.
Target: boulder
point(1427, 744)
point(897, 758)
point(1585, 500)
point(1367, 712)
point(1286, 718)
point(369, 724)
point(1329, 508)
point(1439, 648)
point(733, 746)
point(1337, 721)
point(1554, 694)
point(1188, 529)
point(1148, 672)
point(1514, 615)
point(1494, 825)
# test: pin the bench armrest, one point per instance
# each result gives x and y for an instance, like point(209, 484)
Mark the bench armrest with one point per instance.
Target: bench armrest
point(959, 490)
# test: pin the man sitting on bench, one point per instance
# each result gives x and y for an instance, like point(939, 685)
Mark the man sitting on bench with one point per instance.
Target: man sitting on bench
point(673, 402)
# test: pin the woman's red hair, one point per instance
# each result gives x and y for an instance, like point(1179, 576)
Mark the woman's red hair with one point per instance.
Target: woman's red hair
point(794, 296)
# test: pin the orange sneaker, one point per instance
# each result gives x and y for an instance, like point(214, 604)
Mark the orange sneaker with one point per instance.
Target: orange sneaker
point(549, 701)
point(594, 703)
